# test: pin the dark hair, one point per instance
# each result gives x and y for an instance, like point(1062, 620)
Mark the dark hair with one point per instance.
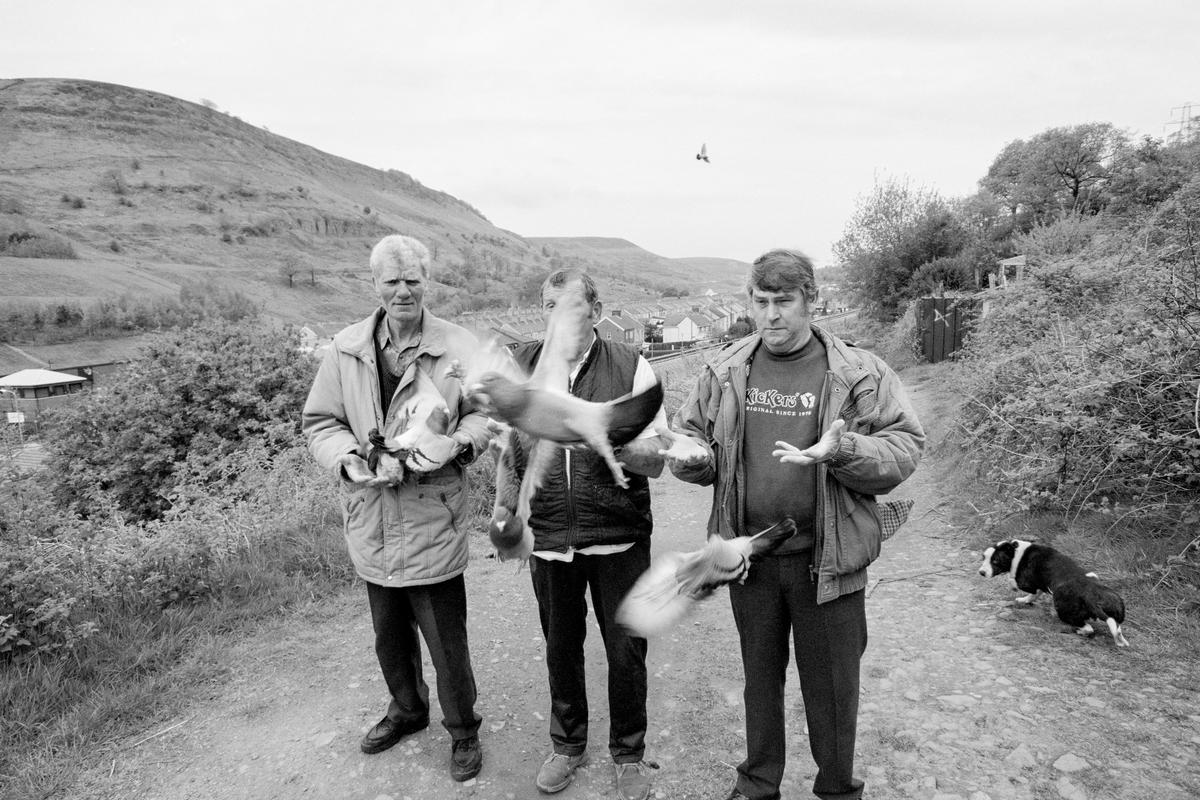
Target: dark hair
point(560, 278)
point(783, 271)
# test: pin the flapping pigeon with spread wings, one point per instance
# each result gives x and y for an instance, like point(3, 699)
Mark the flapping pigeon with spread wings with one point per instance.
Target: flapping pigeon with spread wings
point(543, 409)
point(703, 154)
point(677, 581)
point(542, 416)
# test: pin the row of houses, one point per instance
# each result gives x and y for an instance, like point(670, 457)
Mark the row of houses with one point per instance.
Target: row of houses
point(685, 319)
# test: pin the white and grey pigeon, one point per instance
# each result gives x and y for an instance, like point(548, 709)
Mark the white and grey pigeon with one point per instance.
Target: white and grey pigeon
point(675, 582)
point(543, 417)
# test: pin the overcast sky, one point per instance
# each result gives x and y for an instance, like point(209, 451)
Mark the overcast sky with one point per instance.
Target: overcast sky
point(563, 118)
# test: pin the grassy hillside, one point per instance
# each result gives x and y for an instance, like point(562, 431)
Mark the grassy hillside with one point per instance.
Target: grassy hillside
point(148, 191)
point(626, 260)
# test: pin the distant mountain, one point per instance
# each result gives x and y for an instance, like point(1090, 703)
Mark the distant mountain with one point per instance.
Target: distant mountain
point(150, 191)
point(624, 258)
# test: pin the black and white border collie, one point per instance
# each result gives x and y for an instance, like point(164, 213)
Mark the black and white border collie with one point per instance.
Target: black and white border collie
point(1078, 595)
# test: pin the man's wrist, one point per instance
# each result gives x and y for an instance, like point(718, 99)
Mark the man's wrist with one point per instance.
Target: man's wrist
point(844, 452)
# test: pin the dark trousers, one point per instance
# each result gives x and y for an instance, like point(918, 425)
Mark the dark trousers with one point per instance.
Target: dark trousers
point(561, 588)
point(439, 612)
point(779, 599)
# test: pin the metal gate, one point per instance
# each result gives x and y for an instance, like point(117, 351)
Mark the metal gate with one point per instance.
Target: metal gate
point(941, 323)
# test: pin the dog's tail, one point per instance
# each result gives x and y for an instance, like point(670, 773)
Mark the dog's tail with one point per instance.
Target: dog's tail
point(1114, 628)
point(1111, 609)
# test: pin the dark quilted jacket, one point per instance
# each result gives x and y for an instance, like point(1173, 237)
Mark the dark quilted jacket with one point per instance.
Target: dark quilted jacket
point(589, 507)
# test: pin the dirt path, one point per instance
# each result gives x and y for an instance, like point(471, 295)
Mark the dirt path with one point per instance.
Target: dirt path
point(964, 696)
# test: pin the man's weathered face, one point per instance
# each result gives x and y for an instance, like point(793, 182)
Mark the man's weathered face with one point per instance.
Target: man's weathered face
point(401, 289)
point(782, 319)
point(550, 298)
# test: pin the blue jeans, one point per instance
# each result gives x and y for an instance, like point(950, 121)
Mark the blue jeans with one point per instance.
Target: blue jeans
point(561, 590)
point(778, 602)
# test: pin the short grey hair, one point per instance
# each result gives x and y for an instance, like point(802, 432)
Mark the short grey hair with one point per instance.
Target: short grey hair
point(783, 271)
point(403, 250)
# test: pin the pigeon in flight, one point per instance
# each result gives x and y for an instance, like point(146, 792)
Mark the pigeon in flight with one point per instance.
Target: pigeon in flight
point(543, 409)
point(703, 154)
point(508, 531)
point(677, 581)
point(542, 417)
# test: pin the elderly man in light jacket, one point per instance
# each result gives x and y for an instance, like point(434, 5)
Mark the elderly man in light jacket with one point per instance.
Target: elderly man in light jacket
point(404, 531)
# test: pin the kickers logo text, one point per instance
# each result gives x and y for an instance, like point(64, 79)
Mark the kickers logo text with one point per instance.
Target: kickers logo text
point(770, 401)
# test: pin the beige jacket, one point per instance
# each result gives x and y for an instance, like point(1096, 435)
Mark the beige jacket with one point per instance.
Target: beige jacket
point(881, 447)
point(411, 534)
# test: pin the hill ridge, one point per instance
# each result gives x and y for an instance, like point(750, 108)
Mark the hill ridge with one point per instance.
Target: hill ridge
point(149, 191)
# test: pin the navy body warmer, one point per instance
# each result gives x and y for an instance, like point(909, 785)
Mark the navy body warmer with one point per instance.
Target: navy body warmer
point(596, 510)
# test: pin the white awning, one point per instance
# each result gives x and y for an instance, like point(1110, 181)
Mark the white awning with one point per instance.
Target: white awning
point(33, 378)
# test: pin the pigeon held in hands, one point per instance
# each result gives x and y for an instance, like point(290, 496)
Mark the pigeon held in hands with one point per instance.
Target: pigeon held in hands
point(387, 456)
point(677, 581)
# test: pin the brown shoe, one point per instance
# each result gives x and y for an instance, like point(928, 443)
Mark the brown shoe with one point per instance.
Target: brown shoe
point(466, 759)
point(633, 780)
point(387, 732)
point(558, 771)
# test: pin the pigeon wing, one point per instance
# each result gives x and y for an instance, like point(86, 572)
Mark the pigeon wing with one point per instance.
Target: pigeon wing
point(655, 604)
point(629, 415)
point(564, 338)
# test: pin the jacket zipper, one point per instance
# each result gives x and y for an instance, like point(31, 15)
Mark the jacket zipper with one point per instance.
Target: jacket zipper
point(822, 494)
point(570, 500)
point(571, 526)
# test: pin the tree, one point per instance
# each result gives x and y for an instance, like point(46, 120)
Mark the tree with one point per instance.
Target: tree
point(895, 229)
point(289, 269)
point(742, 326)
point(1060, 170)
point(203, 393)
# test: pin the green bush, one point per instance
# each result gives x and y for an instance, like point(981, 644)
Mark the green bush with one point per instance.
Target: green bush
point(1082, 380)
point(215, 388)
point(96, 614)
point(21, 242)
point(61, 576)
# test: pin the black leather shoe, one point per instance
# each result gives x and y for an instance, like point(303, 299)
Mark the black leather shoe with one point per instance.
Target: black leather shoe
point(466, 759)
point(387, 732)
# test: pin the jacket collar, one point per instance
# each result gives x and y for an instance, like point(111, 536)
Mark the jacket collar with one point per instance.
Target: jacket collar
point(844, 361)
point(358, 340)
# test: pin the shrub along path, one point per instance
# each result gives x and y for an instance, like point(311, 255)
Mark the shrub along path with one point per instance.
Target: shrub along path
point(964, 695)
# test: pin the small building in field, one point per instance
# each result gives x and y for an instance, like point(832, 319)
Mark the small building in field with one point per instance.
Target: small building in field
point(27, 394)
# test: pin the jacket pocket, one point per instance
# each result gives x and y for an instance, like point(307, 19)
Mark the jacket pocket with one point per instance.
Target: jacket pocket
point(353, 500)
point(441, 501)
point(862, 413)
point(859, 536)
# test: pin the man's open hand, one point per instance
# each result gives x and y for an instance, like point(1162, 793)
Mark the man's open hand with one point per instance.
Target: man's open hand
point(356, 468)
point(823, 450)
point(680, 449)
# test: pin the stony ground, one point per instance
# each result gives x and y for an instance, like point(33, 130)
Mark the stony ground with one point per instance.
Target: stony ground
point(964, 694)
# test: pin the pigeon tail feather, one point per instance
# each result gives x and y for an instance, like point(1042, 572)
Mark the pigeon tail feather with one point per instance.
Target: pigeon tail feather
point(766, 542)
point(632, 413)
